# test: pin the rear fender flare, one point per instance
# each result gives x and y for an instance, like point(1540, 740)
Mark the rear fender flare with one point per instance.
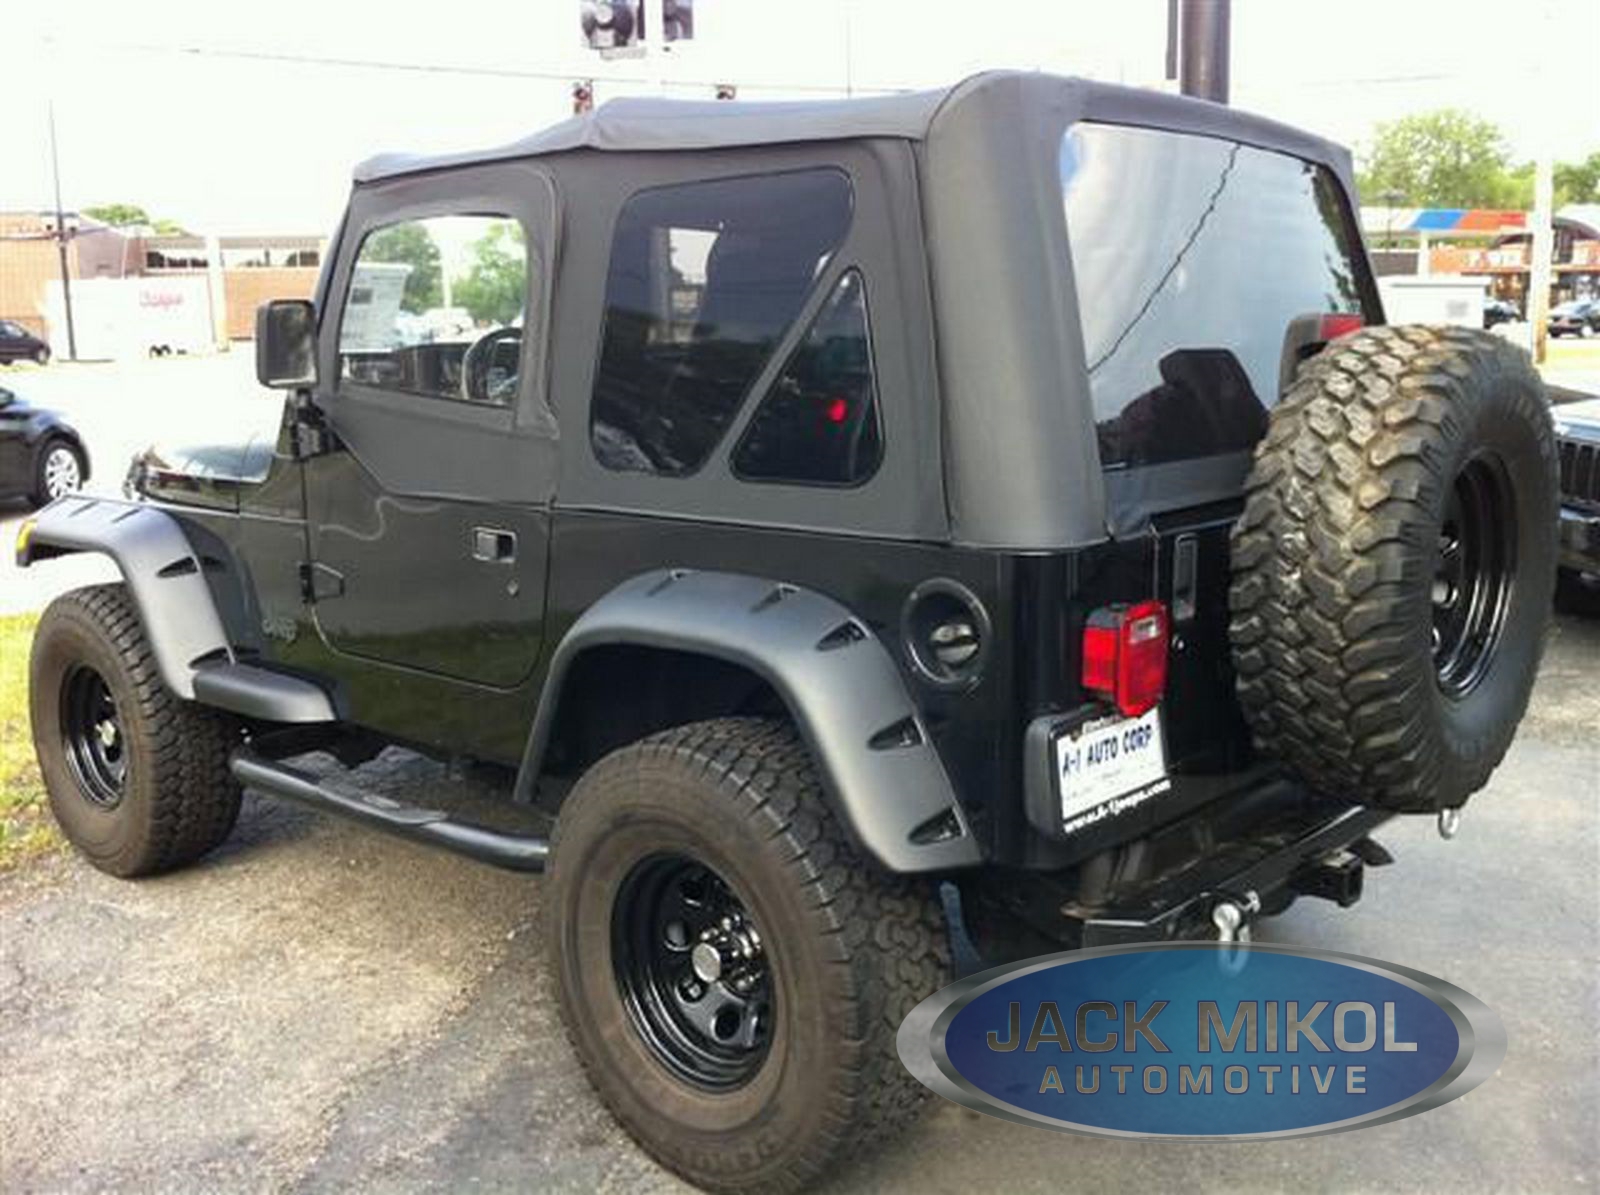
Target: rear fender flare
point(879, 767)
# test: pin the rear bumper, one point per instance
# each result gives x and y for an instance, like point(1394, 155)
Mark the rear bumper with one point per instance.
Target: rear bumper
point(1263, 850)
point(1580, 539)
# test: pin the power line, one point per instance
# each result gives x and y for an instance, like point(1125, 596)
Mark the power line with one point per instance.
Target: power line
point(490, 72)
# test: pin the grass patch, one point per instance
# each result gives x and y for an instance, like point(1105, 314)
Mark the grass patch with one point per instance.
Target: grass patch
point(26, 828)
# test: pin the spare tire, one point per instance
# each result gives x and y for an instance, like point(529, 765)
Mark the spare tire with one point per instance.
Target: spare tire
point(1393, 567)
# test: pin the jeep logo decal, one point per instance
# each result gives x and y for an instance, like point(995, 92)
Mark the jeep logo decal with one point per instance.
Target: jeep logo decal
point(1202, 1041)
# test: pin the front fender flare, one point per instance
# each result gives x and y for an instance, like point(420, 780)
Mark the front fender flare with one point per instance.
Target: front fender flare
point(160, 568)
point(880, 768)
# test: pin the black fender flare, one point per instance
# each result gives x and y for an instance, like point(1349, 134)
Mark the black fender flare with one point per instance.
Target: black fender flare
point(166, 578)
point(879, 766)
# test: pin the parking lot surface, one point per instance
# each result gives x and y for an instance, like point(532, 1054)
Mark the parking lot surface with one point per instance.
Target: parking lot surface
point(317, 1008)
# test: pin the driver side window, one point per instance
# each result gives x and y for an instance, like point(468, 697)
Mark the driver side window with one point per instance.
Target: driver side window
point(435, 307)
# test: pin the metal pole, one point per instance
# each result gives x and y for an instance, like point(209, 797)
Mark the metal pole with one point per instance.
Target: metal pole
point(1172, 40)
point(1203, 60)
point(1541, 251)
point(61, 239)
point(849, 53)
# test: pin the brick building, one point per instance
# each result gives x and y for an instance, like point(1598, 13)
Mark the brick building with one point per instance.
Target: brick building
point(254, 268)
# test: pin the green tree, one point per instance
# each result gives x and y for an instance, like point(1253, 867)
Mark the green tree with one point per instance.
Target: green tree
point(1447, 158)
point(493, 288)
point(1578, 182)
point(410, 244)
point(118, 215)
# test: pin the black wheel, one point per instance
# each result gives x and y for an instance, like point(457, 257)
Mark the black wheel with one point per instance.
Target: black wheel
point(41, 356)
point(138, 780)
point(730, 972)
point(58, 471)
point(1393, 567)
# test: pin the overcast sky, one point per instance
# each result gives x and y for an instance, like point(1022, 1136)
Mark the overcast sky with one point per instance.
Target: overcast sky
point(197, 110)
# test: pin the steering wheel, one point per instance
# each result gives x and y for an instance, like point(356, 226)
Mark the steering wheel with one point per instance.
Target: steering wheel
point(479, 359)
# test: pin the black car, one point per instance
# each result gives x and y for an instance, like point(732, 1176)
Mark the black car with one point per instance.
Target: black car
point(1580, 317)
point(19, 344)
point(41, 456)
point(1578, 442)
point(1499, 311)
point(885, 534)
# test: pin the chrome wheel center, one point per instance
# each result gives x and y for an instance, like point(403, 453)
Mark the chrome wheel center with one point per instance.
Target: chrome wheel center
point(707, 962)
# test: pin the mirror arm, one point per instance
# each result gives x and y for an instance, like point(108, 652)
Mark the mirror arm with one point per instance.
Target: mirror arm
point(310, 434)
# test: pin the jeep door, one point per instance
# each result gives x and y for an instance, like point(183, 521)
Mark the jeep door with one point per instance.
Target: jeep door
point(428, 514)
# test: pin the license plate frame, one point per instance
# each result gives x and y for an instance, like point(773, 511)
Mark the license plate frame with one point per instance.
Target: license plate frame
point(1107, 765)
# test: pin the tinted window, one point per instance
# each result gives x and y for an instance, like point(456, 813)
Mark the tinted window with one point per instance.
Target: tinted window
point(435, 307)
point(1193, 255)
point(705, 279)
point(819, 422)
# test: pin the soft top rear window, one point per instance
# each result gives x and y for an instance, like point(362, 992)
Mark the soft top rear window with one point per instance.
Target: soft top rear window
point(1193, 256)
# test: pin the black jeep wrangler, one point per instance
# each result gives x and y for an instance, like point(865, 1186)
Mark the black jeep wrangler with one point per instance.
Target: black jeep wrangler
point(885, 534)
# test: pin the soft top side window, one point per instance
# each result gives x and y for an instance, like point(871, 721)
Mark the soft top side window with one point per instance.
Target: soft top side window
point(818, 424)
point(705, 280)
point(435, 307)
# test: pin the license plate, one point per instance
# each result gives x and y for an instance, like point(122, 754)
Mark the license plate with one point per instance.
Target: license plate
point(1107, 766)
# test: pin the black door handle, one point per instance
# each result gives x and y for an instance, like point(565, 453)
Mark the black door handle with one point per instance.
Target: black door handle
point(494, 545)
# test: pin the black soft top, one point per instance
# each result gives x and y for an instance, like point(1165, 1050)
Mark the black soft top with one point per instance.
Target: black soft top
point(651, 124)
point(1017, 452)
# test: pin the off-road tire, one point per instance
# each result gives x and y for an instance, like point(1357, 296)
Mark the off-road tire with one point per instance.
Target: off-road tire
point(852, 950)
point(1336, 553)
point(178, 799)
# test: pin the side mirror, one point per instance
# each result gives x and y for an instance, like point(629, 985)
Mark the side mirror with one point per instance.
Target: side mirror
point(286, 344)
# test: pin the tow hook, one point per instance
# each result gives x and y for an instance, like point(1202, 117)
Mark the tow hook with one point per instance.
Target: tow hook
point(1232, 917)
point(1449, 823)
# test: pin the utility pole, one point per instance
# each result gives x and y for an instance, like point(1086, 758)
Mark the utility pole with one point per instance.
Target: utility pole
point(61, 239)
point(1542, 250)
point(653, 18)
point(1203, 48)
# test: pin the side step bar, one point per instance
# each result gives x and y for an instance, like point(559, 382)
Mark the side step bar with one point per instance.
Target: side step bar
point(432, 827)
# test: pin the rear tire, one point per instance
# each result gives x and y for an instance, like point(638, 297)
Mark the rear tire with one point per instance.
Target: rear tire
point(1393, 567)
point(845, 952)
point(138, 780)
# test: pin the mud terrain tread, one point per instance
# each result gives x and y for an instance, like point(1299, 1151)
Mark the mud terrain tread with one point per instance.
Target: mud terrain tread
point(1331, 561)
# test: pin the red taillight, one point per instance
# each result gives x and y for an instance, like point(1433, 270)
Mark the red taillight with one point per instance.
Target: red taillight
point(837, 410)
point(1125, 655)
point(1337, 324)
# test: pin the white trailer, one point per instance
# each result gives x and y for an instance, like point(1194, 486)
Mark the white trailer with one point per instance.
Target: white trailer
point(117, 318)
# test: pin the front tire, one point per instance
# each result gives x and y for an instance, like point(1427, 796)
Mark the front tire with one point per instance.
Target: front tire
point(748, 1053)
point(138, 780)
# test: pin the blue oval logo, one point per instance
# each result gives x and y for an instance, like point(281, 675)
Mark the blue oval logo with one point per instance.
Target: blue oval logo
point(1202, 1041)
